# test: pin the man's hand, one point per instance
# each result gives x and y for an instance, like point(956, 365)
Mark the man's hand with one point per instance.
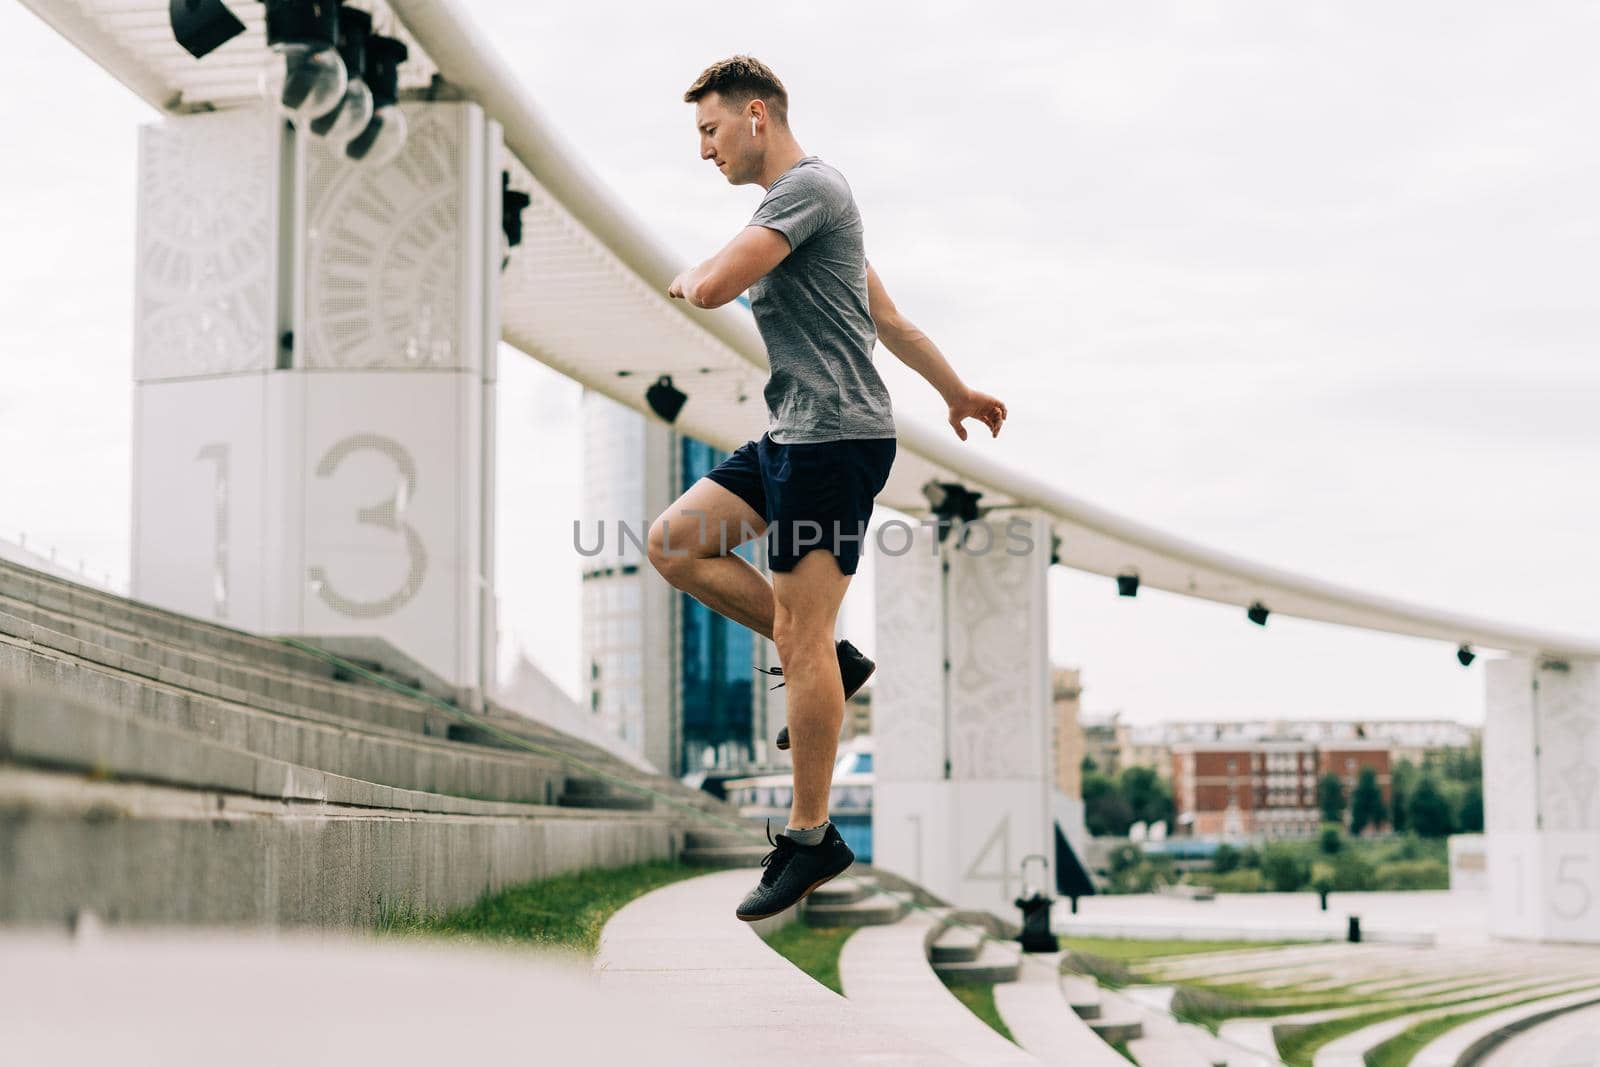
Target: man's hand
point(676, 289)
point(981, 406)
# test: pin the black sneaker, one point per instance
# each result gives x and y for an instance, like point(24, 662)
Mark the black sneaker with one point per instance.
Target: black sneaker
point(854, 670)
point(793, 871)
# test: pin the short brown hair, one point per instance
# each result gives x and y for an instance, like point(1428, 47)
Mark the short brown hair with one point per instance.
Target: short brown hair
point(739, 80)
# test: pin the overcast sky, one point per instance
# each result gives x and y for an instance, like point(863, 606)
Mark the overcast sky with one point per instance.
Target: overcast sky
point(1312, 283)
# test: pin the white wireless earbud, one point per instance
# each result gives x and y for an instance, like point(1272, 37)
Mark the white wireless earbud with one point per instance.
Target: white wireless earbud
point(752, 125)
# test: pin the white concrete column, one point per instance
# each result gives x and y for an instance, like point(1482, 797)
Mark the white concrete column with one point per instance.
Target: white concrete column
point(961, 707)
point(1541, 767)
point(314, 385)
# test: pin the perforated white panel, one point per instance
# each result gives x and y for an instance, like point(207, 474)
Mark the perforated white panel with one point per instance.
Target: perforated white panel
point(391, 253)
point(964, 834)
point(206, 279)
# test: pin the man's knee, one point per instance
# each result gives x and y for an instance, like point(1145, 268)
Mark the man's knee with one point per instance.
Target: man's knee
point(666, 557)
point(799, 637)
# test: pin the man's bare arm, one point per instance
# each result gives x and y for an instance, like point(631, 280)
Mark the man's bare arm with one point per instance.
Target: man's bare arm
point(741, 263)
point(916, 350)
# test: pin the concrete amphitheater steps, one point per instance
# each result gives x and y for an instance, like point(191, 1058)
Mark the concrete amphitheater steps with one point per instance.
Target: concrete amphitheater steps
point(370, 753)
point(120, 635)
point(1351, 1049)
point(681, 949)
point(1571, 1039)
point(886, 974)
point(1049, 1028)
point(1472, 1040)
point(140, 823)
point(995, 963)
point(872, 909)
point(132, 616)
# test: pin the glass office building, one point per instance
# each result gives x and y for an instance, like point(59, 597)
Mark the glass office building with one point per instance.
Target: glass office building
point(668, 675)
point(718, 657)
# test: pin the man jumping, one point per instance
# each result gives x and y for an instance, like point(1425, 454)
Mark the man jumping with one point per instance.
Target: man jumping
point(809, 482)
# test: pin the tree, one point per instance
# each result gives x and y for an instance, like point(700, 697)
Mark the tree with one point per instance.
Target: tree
point(1330, 798)
point(1366, 803)
point(1148, 797)
point(1471, 820)
point(1331, 840)
point(1225, 859)
point(1402, 780)
point(1428, 812)
point(1284, 867)
point(1105, 812)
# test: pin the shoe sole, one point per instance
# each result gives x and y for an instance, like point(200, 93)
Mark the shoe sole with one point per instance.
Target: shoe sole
point(802, 896)
point(784, 747)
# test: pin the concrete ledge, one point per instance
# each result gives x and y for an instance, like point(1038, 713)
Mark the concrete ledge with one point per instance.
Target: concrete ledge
point(1472, 1041)
point(1039, 1017)
point(136, 853)
point(886, 974)
point(208, 998)
point(681, 949)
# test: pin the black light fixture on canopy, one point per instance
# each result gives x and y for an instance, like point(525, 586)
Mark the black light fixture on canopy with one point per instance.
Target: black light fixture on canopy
point(354, 111)
point(385, 135)
point(513, 202)
point(1465, 655)
point(665, 399)
point(1128, 584)
point(203, 26)
point(305, 75)
point(1258, 613)
point(951, 502)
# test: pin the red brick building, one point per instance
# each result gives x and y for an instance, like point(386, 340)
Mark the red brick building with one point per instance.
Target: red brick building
point(1264, 788)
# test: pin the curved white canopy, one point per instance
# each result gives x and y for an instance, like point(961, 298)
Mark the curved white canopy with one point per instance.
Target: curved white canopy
point(585, 295)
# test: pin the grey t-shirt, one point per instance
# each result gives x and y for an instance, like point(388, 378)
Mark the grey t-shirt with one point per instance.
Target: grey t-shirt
point(813, 314)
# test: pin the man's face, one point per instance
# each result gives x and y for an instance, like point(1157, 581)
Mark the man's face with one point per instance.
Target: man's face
point(725, 139)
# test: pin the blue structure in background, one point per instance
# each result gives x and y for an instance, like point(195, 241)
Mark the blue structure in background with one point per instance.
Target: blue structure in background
point(718, 682)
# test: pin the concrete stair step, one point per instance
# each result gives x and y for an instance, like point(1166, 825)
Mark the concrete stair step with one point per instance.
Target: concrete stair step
point(1033, 1011)
point(845, 889)
point(225, 679)
point(879, 909)
point(605, 797)
point(392, 758)
point(341, 706)
point(1170, 1052)
point(957, 944)
point(1116, 1023)
point(709, 838)
point(136, 821)
point(84, 602)
point(994, 963)
point(722, 857)
point(1082, 995)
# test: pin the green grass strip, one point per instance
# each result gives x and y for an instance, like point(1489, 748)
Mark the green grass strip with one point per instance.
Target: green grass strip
point(1298, 1045)
point(1129, 950)
point(564, 912)
point(979, 1000)
point(815, 950)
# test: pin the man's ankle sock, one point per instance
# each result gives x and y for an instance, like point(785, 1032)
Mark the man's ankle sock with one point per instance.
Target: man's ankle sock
point(811, 835)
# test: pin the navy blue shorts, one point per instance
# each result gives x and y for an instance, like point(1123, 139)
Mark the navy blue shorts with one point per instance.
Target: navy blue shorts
point(812, 496)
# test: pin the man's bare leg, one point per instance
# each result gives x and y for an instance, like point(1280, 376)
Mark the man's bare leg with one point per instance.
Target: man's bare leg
point(806, 603)
point(692, 543)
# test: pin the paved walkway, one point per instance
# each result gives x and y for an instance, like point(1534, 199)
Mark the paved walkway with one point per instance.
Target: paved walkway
point(1438, 917)
point(886, 974)
point(182, 999)
point(681, 949)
